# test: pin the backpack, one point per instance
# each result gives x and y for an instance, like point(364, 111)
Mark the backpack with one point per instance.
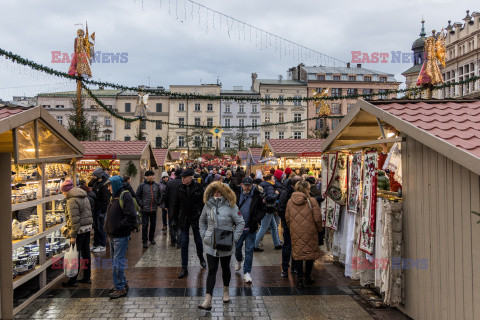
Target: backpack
point(137, 209)
point(270, 205)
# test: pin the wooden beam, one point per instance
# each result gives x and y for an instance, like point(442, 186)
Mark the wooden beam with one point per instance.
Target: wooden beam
point(363, 124)
point(368, 143)
point(361, 138)
point(380, 125)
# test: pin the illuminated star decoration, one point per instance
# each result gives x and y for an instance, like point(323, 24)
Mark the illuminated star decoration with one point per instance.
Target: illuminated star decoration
point(217, 132)
point(325, 108)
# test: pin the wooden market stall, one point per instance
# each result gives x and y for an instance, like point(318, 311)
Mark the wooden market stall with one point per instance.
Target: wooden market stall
point(132, 158)
point(295, 153)
point(176, 159)
point(427, 236)
point(253, 158)
point(162, 156)
point(36, 154)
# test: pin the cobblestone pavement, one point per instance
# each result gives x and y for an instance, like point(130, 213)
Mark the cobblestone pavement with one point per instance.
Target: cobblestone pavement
point(157, 293)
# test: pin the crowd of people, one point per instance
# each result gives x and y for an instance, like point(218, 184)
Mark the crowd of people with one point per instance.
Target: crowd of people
point(228, 212)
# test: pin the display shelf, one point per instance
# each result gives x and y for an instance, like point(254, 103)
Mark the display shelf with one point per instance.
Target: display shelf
point(35, 272)
point(36, 202)
point(22, 242)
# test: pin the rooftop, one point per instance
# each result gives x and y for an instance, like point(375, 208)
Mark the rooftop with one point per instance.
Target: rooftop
point(414, 69)
point(9, 110)
point(161, 156)
point(282, 147)
point(256, 154)
point(344, 70)
point(119, 148)
point(72, 94)
point(281, 82)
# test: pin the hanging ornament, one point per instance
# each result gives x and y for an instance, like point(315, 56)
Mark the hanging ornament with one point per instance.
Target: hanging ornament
point(83, 54)
point(325, 108)
point(434, 50)
point(217, 132)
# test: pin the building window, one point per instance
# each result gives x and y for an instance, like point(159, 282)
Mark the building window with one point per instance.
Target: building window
point(109, 106)
point(321, 77)
point(158, 125)
point(227, 123)
point(281, 135)
point(335, 108)
point(227, 108)
point(267, 99)
point(209, 122)
point(383, 94)
point(352, 91)
point(210, 107)
point(196, 121)
point(181, 107)
point(227, 143)
point(267, 117)
point(196, 142)
point(254, 108)
point(335, 123)
point(297, 101)
point(367, 91)
point(127, 138)
point(128, 125)
point(159, 107)
point(46, 106)
point(59, 106)
point(336, 78)
point(128, 107)
point(336, 92)
point(254, 123)
point(352, 78)
point(241, 122)
point(181, 141)
point(197, 107)
point(60, 119)
point(181, 122)
point(350, 106)
point(108, 121)
point(281, 102)
point(281, 117)
point(297, 135)
point(158, 142)
point(367, 78)
point(254, 141)
point(267, 135)
point(297, 117)
point(94, 119)
point(209, 142)
point(319, 125)
point(143, 138)
point(143, 124)
point(241, 108)
point(383, 79)
point(107, 137)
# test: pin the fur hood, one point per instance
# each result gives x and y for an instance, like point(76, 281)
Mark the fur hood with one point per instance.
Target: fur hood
point(224, 189)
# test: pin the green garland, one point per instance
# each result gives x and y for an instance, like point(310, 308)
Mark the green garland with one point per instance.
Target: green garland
point(182, 96)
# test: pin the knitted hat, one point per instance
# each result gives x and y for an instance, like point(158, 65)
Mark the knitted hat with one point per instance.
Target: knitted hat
point(66, 186)
point(164, 174)
point(310, 173)
point(278, 174)
point(288, 171)
point(98, 172)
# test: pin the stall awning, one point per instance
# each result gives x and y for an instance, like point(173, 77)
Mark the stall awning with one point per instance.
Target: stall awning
point(290, 148)
point(450, 127)
point(118, 150)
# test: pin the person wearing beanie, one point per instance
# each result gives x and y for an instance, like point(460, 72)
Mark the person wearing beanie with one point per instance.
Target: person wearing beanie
point(278, 175)
point(102, 197)
point(170, 196)
point(78, 217)
point(288, 171)
point(163, 188)
point(149, 198)
point(310, 173)
point(119, 223)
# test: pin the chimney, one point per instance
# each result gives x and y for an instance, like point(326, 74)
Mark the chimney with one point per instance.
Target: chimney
point(280, 78)
point(348, 64)
point(359, 65)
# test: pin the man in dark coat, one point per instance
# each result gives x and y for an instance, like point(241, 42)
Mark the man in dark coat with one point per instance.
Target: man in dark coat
point(187, 208)
point(170, 197)
point(149, 198)
point(285, 195)
point(101, 202)
point(252, 208)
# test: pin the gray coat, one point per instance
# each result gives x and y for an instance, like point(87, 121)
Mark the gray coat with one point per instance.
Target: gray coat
point(219, 214)
point(78, 213)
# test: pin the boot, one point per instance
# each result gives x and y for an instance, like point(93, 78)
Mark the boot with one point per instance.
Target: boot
point(207, 303)
point(300, 283)
point(226, 295)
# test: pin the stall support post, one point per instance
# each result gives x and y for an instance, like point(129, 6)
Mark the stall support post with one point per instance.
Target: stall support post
point(42, 242)
point(6, 284)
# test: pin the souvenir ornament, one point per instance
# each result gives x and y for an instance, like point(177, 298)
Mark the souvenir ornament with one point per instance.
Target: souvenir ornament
point(434, 54)
point(324, 109)
point(83, 54)
point(217, 132)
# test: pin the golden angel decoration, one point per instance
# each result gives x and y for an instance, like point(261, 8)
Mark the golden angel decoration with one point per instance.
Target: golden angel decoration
point(434, 55)
point(142, 105)
point(83, 54)
point(324, 109)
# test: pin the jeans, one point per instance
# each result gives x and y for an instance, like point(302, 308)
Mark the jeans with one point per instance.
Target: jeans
point(249, 238)
point(118, 249)
point(185, 241)
point(268, 222)
point(166, 219)
point(287, 248)
point(83, 247)
point(99, 236)
point(308, 268)
point(146, 217)
point(213, 268)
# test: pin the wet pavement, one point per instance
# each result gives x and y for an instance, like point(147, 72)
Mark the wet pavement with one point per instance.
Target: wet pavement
point(157, 293)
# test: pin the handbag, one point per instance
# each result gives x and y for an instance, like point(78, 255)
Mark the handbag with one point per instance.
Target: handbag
point(222, 239)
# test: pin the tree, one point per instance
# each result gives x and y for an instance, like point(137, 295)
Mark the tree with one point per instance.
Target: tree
point(318, 133)
point(86, 130)
point(140, 135)
point(239, 140)
point(169, 140)
point(200, 139)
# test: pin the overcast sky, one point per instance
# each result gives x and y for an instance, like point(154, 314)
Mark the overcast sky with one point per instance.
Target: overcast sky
point(166, 49)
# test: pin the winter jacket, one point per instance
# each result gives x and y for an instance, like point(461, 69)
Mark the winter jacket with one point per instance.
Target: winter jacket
point(91, 197)
point(285, 195)
point(127, 186)
point(149, 196)
point(304, 220)
point(188, 205)
point(120, 222)
point(269, 191)
point(102, 195)
point(163, 190)
point(220, 213)
point(78, 213)
point(257, 207)
point(171, 192)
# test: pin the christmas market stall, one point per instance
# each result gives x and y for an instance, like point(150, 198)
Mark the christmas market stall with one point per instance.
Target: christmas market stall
point(36, 155)
point(254, 156)
point(176, 159)
point(161, 157)
point(401, 182)
point(297, 154)
point(125, 158)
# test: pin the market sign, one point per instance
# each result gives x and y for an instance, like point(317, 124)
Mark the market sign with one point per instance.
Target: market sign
point(309, 154)
point(100, 156)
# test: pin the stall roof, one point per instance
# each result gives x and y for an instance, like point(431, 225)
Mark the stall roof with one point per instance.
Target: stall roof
point(176, 155)
point(161, 155)
point(292, 147)
point(450, 127)
point(121, 149)
point(242, 155)
point(255, 153)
